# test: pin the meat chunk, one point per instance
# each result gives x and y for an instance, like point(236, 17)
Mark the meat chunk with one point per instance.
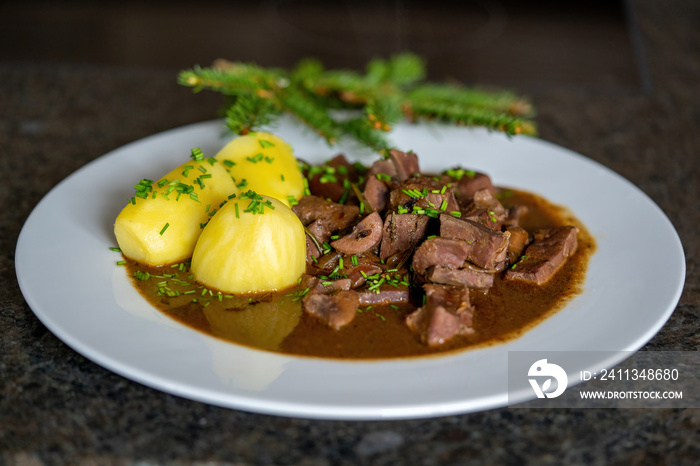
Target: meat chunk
point(321, 234)
point(402, 232)
point(384, 169)
point(367, 265)
point(485, 209)
point(329, 181)
point(469, 183)
point(545, 256)
point(319, 285)
point(519, 238)
point(325, 265)
point(406, 163)
point(467, 277)
point(422, 193)
point(487, 247)
point(447, 252)
point(446, 314)
point(384, 294)
point(335, 310)
point(376, 193)
point(335, 216)
point(364, 236)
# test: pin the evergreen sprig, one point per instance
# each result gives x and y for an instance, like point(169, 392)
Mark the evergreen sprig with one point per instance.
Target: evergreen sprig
point(387, 92)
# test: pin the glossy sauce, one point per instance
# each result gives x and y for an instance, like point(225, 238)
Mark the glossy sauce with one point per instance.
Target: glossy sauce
point(276, 322)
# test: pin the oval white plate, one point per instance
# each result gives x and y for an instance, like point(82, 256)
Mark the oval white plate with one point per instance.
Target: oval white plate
point(69, 278)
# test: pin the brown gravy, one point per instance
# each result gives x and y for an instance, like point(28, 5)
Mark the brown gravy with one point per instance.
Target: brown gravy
point(276, 322)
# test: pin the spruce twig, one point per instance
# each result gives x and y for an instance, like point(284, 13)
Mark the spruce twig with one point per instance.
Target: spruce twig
point(389, 91)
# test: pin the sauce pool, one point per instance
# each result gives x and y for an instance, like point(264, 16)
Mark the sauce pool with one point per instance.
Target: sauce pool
point(276, 322)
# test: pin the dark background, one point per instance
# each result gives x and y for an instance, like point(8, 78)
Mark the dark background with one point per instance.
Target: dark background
point(496, 42)
point(615, 81)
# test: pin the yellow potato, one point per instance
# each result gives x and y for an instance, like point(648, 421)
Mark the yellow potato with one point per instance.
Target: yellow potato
point(241, 251)
point(265, 164)
point(263, 325)
point(163, 228)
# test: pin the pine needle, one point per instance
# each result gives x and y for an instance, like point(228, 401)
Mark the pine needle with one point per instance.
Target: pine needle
point(387, 92)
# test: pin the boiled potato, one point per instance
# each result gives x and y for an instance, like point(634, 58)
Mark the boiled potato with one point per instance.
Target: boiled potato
point(254, 243)
point(163, 226)
point(265, 164)
point(263, 325)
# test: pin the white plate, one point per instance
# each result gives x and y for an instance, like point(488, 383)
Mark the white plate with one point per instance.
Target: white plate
point(69, 278)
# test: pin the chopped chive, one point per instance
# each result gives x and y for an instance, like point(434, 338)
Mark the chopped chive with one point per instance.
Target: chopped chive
point(197, 154)
point(256, 158)
point(115, 249)
point(121, 262)
point(265, 144)
point(165, 227)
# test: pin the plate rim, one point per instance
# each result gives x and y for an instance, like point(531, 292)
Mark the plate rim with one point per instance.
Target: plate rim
point(255, 404)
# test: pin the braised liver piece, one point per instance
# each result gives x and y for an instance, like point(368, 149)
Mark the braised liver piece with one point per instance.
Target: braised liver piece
point(335, 310)
point(545, 256)
point(445, 314)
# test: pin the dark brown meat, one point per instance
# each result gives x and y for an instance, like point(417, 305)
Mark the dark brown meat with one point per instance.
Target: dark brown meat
point(487, 248)
point(447, 252)
point(446, 314)
point(519, 238)
point(402, 232)
point(364, 236)
point(465, 277)
point(450, 297)
point(330, 180)
point(376, 193)
point(386, 169)
point(485, 209)
point(367, 265)
point(406, 163)
point(319, 285)
point(335, 310)
point(545, 256)
point(385, 294)
point(325, 265)
point(321, 234)
point(470, 183)
point(335, 216)
point(431, 196)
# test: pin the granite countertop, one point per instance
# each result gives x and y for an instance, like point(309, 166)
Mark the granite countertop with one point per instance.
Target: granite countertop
point(57, 407)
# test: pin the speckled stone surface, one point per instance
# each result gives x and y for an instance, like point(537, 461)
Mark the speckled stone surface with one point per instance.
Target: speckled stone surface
point(57, 407)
